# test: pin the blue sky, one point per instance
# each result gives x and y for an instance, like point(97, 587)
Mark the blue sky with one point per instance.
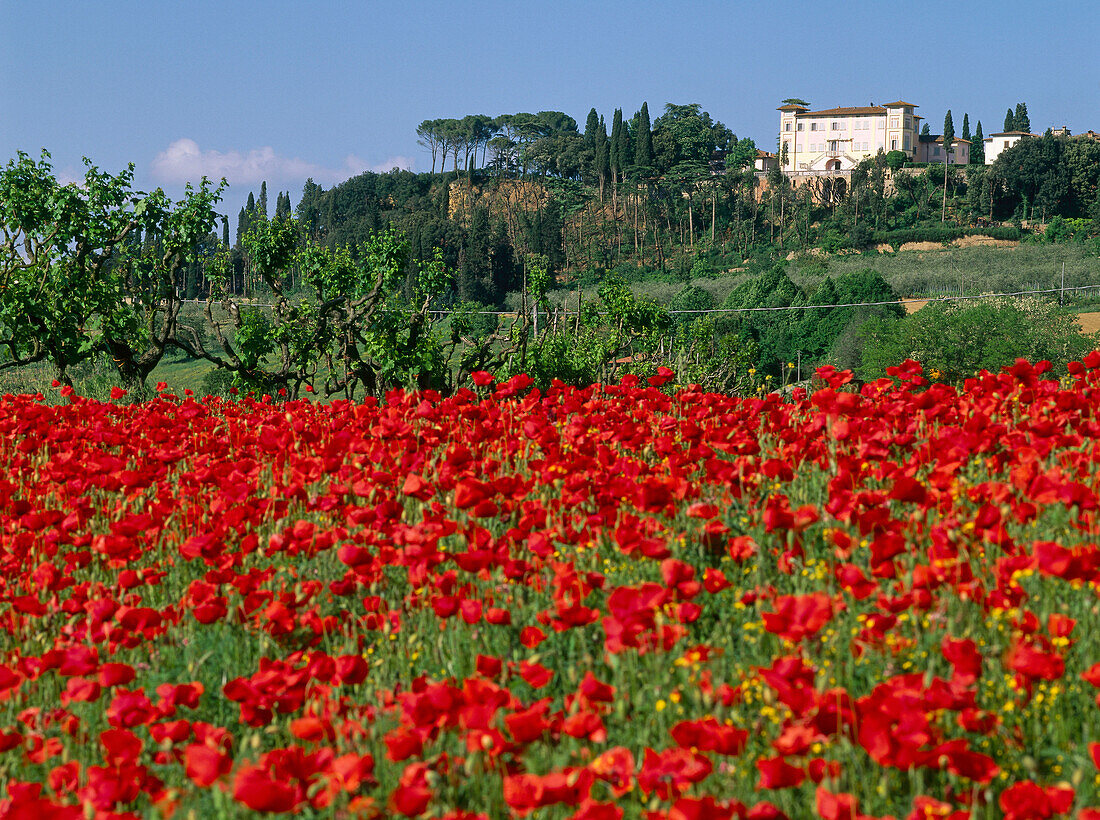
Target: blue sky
point(282, 91)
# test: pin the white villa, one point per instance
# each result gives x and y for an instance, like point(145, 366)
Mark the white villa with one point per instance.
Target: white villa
point(996, 143)
point(837, 139)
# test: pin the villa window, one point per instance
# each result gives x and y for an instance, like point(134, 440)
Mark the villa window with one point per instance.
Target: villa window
point(936, 151)
point(787, 126)
point(800, 126)
point(813, 126)
point(893, 122)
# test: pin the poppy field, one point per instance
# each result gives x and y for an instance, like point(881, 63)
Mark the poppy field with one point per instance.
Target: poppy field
point(624, 601)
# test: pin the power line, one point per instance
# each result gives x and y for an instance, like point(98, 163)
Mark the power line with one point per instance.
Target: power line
point(915, 300)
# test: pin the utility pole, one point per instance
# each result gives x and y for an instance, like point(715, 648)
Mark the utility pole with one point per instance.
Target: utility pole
point(946, 164)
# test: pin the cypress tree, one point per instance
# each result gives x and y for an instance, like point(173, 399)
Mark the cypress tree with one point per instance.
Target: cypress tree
point(615, 151)
point(308, 205)
point(590, 127)
point(1021, 121)
point(966, 127)
point(625, 148)
point(1010, 121)
point(603, 166)
point(926, 130)
point(948, 131)
point(261, 203)
point(643, 140)
point(242, 225)
point(977, 150)
point(225, 231)
point(282, 206)
point(590, 171)
point(245, 225)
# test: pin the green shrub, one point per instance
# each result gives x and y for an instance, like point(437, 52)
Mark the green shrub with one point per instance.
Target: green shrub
point(955, 340)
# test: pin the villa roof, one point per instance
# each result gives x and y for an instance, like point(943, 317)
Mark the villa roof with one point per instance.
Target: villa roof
point(843, 112)
point(901, 102)
point(1012, 134)
point(939, 138)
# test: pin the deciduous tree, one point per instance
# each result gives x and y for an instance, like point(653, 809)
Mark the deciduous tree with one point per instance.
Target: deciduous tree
point(72, 284)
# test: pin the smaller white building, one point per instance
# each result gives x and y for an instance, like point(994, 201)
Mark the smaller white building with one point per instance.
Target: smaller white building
point(996, 143)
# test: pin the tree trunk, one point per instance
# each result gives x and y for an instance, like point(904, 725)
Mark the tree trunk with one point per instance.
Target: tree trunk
point(691, 224)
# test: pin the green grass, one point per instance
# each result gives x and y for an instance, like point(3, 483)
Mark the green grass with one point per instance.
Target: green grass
point(975, 270)
point(181, 374)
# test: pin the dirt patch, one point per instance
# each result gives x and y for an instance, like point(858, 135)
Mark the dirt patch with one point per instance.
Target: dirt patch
point(921, 246)
point(809, 252)
point(984, 241)
point(1090, 322)
point(913, 307)
point(961, 242)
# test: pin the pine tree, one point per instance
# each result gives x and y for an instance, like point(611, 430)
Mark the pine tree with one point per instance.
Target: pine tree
point(261, 203)
point(977, 150)
point(643, 140)
point(1010, 121)
point(966, 127)
point(926, 130)
point(1021, 121)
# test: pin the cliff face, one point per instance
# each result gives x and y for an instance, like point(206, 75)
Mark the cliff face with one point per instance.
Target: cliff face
point(499, 197)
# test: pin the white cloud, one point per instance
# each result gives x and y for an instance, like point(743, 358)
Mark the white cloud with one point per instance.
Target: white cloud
point(69, 176)
point(183, 161)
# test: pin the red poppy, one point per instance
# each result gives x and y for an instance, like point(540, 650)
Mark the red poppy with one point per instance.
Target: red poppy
point(204, 764)
point(531, 636)
point(535, 674)
point(799, 616)
point(832, 806)
point(777, 773)
point(1028, 801)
